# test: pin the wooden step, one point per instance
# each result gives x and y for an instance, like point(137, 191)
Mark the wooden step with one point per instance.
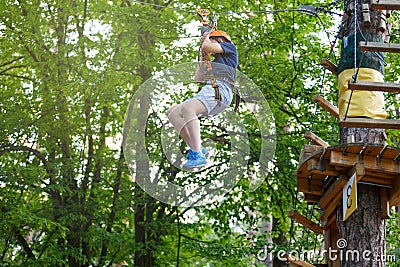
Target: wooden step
point(379, 47)
point(385, 4)
point(374, 86)
point(369, 123)
point(315, 139)
point(329, 66)
point(328, 106)
point(316, 228)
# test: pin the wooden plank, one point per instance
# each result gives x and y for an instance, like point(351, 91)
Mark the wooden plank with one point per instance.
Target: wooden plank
point(315, 139)
point(390, 153)
point(373, 150)
point(331, 206)
point(327, 242)
point(305, 222)
point(353, 148)
point(380, 175)
point(385, 208)
point(335, 198)
point(333, 190)
point(370, 163)
point(379, 47)
point(329, 65)
point(385, 5)
point(302, 172)
point(317, 166)
point(313, 186)
point(308, 150)
point(358, 169)
point(328, 106)
point(328, 223)
point(394, 192)
point(335, 236)
point(374, 86)
point(309, 198)
point(296, 261)
point(369, 123)
point(377, 180)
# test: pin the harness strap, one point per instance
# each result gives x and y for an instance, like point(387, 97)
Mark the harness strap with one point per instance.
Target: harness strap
point(217, 93)
point(238, 98)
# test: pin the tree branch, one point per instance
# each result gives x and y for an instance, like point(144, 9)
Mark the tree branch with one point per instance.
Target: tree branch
point(12, 61)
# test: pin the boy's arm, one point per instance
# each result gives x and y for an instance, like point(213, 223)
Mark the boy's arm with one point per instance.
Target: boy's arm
point(210, 47)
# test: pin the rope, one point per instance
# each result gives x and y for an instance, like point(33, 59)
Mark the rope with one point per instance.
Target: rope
point(178, 254)
point(355, 39)
point(329, 56)
point(356, 70)
point(294, 200)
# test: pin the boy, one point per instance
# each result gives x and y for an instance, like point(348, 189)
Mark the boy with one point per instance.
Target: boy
point(213, 98)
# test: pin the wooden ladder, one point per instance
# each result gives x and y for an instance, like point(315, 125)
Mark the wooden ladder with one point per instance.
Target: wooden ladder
point(375, 86)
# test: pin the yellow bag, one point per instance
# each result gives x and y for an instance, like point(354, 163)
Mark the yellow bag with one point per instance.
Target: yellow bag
point(363, 103)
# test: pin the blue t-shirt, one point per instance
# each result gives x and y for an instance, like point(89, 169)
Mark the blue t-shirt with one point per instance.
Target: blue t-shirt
point(228, 58)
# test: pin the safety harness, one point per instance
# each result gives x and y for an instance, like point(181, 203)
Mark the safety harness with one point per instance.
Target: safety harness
point(203, 13)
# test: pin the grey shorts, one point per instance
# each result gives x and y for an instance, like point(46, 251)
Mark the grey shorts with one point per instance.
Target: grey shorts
point(207, 97)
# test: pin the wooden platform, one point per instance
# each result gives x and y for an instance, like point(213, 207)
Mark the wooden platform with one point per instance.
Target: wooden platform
point(323, 173)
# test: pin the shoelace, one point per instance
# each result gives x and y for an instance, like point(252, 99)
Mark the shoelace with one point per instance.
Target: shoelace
point(203, 150)
point(193, 155)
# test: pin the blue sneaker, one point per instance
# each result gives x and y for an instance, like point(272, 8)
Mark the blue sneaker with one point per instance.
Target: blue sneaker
point(195, 160)
point(203, 151)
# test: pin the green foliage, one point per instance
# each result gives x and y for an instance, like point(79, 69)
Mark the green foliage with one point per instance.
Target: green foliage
point(68, 70)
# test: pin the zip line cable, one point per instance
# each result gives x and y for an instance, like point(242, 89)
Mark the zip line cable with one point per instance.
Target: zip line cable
point(229, 12)
point(217, 13)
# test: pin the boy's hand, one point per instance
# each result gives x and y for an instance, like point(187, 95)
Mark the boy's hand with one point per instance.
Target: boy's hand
point(204, 30)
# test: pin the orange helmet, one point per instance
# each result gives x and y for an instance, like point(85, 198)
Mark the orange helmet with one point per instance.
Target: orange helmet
point(218, 33)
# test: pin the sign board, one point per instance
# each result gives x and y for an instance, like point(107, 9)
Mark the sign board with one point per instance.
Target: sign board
point(350, 197)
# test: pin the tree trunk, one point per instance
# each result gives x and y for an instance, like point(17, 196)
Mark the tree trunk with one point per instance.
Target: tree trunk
point(364, 231)
point(362, 235)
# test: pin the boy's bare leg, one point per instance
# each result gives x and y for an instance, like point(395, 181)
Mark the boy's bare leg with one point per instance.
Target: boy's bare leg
point(184, 119)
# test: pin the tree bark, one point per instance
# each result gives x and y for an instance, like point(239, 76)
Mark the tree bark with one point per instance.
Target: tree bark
point(364, 231)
